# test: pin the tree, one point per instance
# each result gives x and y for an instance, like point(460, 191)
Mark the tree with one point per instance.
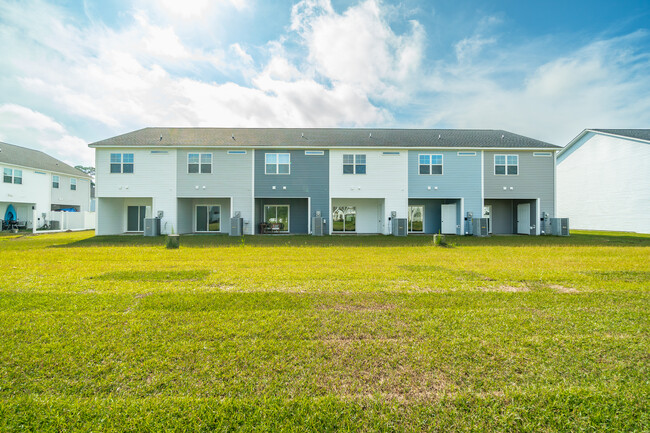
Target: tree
point(88, 170)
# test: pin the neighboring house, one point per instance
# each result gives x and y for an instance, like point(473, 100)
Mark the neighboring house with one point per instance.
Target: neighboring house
point(357, 180)
point(34, 181)
point(604, 180)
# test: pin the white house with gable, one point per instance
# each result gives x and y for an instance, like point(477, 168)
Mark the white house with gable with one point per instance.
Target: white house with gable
point(35, 184)
point(603, 178)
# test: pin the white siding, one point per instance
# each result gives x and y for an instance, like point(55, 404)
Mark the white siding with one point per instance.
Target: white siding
point(34, 191)
point(604, 184)
point(63, 195)
point(386, 178)
point(154, 177)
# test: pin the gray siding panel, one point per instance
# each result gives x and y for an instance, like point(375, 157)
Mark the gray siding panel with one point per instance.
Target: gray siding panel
point(231, 175)
point(309, 177)
point(535, 180)
point(461, 178)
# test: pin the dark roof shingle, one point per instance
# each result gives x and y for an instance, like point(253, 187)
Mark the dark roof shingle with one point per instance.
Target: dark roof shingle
point(641, 134)
point(324, 137)
point(22, 156)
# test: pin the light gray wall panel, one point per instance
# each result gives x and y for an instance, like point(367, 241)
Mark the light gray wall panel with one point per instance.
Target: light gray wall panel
point(461, 178)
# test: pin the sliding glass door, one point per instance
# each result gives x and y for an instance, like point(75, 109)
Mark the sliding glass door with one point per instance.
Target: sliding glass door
point(416, 219)
point(135, 218)
point(277, 214)
point(208, 218)
point(344, 219)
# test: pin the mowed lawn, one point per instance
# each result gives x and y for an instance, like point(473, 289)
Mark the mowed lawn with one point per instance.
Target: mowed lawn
point(294, 333)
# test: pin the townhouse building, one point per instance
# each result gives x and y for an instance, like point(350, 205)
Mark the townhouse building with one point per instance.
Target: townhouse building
point(356, 180)
point(34, 183)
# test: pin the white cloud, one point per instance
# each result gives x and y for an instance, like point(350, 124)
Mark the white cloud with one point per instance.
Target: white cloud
point(330, 69)
point(359, 48)
point(603, 84)
point(28, 128)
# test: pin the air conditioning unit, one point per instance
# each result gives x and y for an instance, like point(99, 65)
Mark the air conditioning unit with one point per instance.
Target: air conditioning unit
point(400, 226)
point(152, 227)
point(236, 224)
point(560, 226)
point(480, 227)
point(317, 226)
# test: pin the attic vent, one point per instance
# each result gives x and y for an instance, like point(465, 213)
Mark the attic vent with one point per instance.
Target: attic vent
point(232, 136)
point(160, 138)
point(302, 135)
point(502, 136)
point(370, 135)
point(438, 136)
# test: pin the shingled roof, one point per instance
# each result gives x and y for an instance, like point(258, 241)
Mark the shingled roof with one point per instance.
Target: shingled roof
point(641, 134)
point(324, 137)
point(24, 157)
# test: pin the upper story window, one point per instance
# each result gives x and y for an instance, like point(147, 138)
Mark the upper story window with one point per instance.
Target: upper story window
point(430, 164)
point(354, 164)
point(277, 163)
point(55, 181)
point(13, 176)
point(73, 184)
point(121, 163)
point(506, 165)
point(199, 163)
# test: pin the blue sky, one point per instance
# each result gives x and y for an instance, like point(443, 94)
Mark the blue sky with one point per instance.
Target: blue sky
point(73, 72)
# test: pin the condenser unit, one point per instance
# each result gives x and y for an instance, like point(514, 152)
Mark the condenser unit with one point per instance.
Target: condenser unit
point(317, 225)
point(152, 226)
point(480, 227)
point(400, 226)
point(560, 226)
point(236, 224)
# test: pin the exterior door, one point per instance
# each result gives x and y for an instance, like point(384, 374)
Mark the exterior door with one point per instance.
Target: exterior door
point(523, 218)
point(344, 219)
point(448, 223)
point(135, 218)
point(208, 218)
point(277, 214)
point(416, 219)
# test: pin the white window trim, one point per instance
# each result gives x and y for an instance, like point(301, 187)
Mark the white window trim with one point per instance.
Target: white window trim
point(73, 181)
point(288, 214)
point(200, 165)
point(354, 164)
point(196, 213)
point(506, 164)
point(277, 164)
point(13, 175)
point(58, 181)
point(442, 164)
point(121, 162)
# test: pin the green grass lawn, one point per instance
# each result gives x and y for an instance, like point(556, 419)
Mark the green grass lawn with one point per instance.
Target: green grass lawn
point(343, 333)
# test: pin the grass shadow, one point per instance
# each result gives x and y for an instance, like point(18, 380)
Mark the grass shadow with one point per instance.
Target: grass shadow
point(614, 239)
